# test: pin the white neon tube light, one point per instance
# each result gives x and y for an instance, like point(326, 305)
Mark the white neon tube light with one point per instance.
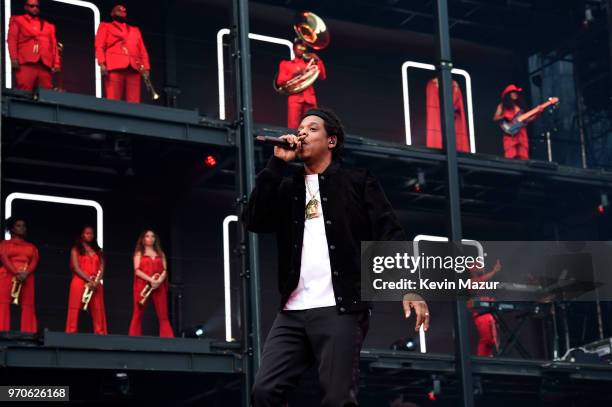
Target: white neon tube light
point(8, 208)
point(220, 64)
point(226, 276)
point(432, 238)
point(430, 67)
point(415, 248)
point(7, 64)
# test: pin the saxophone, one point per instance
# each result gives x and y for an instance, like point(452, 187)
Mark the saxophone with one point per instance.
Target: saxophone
point(16, 288)
point(89, 291)
point(147, 290)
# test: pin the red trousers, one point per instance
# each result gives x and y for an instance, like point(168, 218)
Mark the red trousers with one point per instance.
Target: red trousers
point(29, 76)
point(160, 301)
point(26, 301)
point(123, 84)
point(295, 110)
point(487, 334)
point(95, 308)
point(517, 146)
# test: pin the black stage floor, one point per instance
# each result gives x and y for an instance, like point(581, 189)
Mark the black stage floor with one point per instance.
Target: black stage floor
point(201, 372)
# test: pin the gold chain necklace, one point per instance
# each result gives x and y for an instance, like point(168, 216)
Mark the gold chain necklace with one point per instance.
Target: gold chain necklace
point(312, 207)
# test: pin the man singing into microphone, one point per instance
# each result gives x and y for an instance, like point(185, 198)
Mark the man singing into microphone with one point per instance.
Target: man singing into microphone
point(320, 215)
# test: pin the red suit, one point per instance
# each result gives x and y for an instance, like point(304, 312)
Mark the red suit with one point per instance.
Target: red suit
point(434, 129)
point(19, 253)
point(299, 103)
point(120, 47)
point(32, 42)
point(89, 264)
point(516, 146)
point(151, 266)
point(484, 321)
point(487, 333)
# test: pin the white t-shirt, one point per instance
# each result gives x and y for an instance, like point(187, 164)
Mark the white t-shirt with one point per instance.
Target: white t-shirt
point(315, 287)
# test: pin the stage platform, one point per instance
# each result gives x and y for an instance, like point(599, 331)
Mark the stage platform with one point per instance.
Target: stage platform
point(206, 372)
point(529, 186)
point(61, 110)
point(89, 351)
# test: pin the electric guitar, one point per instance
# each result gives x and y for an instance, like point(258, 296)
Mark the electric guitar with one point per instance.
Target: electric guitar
point(520, 119)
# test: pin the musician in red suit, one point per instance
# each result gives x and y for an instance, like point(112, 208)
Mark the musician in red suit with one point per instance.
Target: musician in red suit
point(488, 341)
point(434, 129)
point(299, 103)
point(33, 48)
point(122, 56)
point(87, 265)
point(19, 260)
point(150, 267)
point(516, 146)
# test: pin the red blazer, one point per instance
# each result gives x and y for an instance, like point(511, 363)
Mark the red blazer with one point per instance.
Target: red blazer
point(288, 69)
point(31, 40)
point(119, 45)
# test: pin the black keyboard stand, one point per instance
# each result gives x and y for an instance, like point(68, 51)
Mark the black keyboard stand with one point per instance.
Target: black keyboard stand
point(511, 335)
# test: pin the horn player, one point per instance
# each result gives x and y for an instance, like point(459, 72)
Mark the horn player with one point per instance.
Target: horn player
point(33, 48)
point(299, 103)
point(19, 260)
point(122, 56)
point(150, 268)
point(87, 265)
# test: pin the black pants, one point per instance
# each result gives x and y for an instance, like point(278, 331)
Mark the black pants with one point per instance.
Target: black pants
point(299, 339)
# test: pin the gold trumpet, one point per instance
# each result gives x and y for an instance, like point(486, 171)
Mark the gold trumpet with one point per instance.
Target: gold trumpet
point(312, 33)
point(59, 76)
point(147, 290)
point(147, 81)
point(16, 288)
point(89, 291)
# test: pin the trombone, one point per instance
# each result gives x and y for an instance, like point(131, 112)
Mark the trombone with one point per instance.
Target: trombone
point(147, 81)
point(147, 290)
point(89, 291)
point(16, 288)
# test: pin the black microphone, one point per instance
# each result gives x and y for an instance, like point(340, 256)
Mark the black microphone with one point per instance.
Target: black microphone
point(275, 141)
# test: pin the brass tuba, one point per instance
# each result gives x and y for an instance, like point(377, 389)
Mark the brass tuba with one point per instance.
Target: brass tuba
point(313, 33)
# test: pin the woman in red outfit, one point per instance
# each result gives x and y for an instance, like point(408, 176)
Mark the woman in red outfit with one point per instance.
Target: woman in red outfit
point(486, 327)
point(516, 146)
point(87, 265)
point(150, 268)
point(19, 260)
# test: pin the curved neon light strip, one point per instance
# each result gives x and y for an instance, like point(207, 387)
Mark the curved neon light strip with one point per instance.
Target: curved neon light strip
point(430, 67)
point(8, 208)
point(220, 64)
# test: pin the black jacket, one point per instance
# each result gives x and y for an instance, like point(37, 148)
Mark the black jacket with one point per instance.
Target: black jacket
point(355, 209)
